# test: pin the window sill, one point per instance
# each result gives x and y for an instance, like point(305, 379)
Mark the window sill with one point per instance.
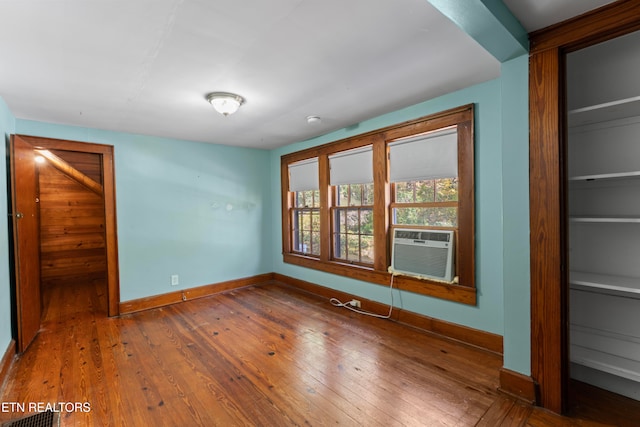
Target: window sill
point(457, 293)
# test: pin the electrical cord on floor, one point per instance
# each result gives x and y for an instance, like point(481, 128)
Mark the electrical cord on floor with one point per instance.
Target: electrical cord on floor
point(337, 303)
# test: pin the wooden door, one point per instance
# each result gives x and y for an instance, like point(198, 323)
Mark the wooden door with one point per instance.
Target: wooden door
point(26, 229)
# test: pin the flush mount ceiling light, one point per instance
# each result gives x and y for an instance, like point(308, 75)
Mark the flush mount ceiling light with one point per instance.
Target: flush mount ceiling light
point(225, 103)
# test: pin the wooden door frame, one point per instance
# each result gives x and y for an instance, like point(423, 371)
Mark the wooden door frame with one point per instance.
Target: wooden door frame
point(109, 190)
point(547, 185)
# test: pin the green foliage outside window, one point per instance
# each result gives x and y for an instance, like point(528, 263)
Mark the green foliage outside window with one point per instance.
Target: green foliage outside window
point(430, 193)
point(306, 222)
point(353, 223)
point(437, 190)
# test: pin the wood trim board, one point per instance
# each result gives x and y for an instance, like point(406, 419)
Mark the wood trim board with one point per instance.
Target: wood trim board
point(162, 300)
point(475, 337)
point(518, 385)
point(485, 340)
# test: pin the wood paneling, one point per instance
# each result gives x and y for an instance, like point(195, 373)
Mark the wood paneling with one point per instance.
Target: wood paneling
point(72, 226)
point(89, 164)
point(72, 172)
point(266, 355)
point(549, 359)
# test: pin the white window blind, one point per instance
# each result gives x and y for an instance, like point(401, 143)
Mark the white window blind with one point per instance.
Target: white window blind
point(428, 156)
point(352, 166)
point(303, 175)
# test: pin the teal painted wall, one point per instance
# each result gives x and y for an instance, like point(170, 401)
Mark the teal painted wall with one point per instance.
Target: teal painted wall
point(201, 211)
point(487, 315)
point(515, 172)
point(7, 127)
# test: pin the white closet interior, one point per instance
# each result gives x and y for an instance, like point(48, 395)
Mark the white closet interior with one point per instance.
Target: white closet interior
point(603, 103)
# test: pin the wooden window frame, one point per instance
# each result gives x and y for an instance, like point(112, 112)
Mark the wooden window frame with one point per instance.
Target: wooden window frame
point(463, 292)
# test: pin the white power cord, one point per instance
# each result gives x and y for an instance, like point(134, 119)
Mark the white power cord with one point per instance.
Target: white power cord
point(337, 303)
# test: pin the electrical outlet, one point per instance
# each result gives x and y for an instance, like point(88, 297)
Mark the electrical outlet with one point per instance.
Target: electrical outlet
point(355, 303)
point(175, 280)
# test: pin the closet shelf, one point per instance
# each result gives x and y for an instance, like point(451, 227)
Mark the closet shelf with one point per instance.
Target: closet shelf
point(613, 285)
point(606, 176)
point(606, 111)
point(606, 219)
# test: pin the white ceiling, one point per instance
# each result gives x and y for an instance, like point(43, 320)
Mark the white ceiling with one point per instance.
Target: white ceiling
point(145, 66)
point(537, 14)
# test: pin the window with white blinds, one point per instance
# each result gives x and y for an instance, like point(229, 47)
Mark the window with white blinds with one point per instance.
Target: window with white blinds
point(303, 175)
point(352, 166)
point(341, 201)
point(428, 156)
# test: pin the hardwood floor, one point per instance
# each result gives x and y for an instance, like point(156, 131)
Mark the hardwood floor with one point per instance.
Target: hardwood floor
point(263, 356)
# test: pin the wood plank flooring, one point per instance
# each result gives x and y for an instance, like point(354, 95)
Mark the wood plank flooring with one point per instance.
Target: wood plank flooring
point(259, 356)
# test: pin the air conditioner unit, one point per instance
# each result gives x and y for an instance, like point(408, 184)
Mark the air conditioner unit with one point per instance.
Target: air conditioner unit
point(423, 253)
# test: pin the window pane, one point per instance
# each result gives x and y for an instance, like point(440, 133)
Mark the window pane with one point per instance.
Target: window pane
point(356, 195)
point(341, 246)
point(304, 221)
point(307, 199)
point(353, 235)
point(424, 191)
point(342, 221)
point(306, 230)
point(353, 247)
point(353, 221)
point(368, 194)
point(315, 243)
point(297, 244)
point(297, 220)
point(366, 222)
point(366, 249)
point(342, 195)
point(305, 242)
point(439, 190)
point(447, 190)
point(436, 217)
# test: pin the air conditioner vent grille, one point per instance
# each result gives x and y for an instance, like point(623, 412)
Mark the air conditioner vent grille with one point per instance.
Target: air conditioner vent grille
point(426, 254)
point(424, 261)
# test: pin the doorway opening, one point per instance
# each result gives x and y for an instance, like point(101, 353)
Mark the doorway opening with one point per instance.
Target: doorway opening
point(550, 275)
point(76, 243)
